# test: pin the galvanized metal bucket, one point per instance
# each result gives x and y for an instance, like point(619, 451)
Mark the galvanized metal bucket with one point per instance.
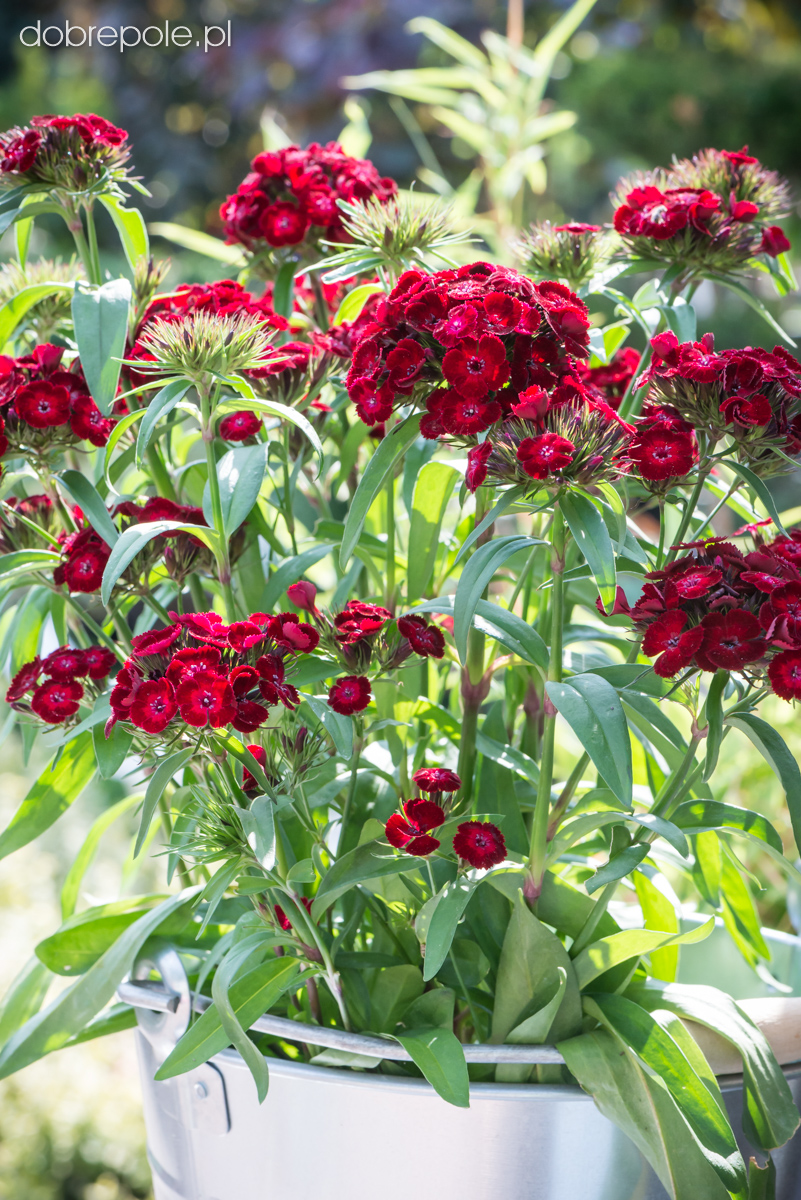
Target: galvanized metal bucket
point(351, 1136)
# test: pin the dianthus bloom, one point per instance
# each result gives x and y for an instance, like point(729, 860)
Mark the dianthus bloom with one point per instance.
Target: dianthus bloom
point(480, 843)
point(290, 196)
point(70, 153)
point(437, 779)
point(57, 698)
point(350, 695)
point(410, 830)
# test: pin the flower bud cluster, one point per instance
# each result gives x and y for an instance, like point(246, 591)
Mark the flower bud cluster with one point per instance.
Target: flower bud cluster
point(478, 844)
point(81, 153)
point(573, 252)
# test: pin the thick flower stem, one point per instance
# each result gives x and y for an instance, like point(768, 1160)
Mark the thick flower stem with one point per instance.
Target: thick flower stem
point(473, 685)
point(539, 827)
point(389, 598)
point(75, 226)
point(591, 924)
point(94, 250)
point(161, 476)
point(222, 557)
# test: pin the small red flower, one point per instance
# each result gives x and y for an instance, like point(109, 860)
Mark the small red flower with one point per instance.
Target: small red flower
point(577, 228)
point(56, 701)
point(283, 224)
point(83, 571)
point(155, 641)
point(480, 844)
point(99, 662)
point(303, 595)
point(437, 779)
point(747, 411)
point(19, 154)
point(476, 471)
point(242, 635)
point(286, 630)
point(239, 426)
point(152, 706)
point(87, 421)
point(250, 716)
point(186, 663)
point(774, 241)
point(462, 415)
point(784, 673)
point(349, 695)
point(540, 456)
point(65, 664)
point(731, 640)
point(404, 363)
point(426, 640)
point(476, 367)
point(206, 627)
point(532, 405)
point(42, 405)
point(410, 831)
point(648, 212)
point(359, 620)
point(206, 699)
point(660, 454)
point(503, 311)
point(26, 678)
point(272, 684)
point(675, 645)
point(696, 582)
point(249, 784)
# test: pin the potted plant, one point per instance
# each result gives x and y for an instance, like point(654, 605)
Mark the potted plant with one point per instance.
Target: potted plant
point(395, 805)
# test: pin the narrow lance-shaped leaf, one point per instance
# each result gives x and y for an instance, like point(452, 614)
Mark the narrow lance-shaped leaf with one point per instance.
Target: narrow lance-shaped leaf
point(72, 884)
point(451, 904)
point(160, 406)
point(592, 708)
point(592, 538)
point(91, 504)
point(233, 962)
point(164, 773)
point(434, 487)
point(389, 451)
point(475, 577)
point(608, 952)
point(240, 474)
point(773, 748)
point(439, 1055)
point(130, 225)
point(59, 785)
point(136, 537)
point(100, 320)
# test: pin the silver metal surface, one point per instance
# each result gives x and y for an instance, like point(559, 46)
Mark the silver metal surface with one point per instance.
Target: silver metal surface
point(349, 1135)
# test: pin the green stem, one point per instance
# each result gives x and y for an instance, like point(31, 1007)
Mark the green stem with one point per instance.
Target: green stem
point(720, 504)
point(222, 557)
point(289, 516)
point(92, 625)
point(568, 791)
point(472, 676)
point(166, 822)
point(661, 547)
point(672, 785)
point(539, 825)
point(94, 250)
point(348, 805)
point(161, 476)
point(591, 924)
point(75, 226)
point(196, 592)
point(687, 516)
point(389, 599)
point(321, 312)
point(157, 608)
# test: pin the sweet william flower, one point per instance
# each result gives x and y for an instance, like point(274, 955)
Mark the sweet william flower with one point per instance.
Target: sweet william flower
point(249, 783)
point(26, 678)
point(774, 241)
point(436, 779)
point(426, 640)
point(747, 411)
point(303, 595)
point(65, 664)
point(283, 224)
point(239, 426)
point(56, 701)
point(99, 662)
point(545, 454)
point(675, 644)
point(480, 843)
point(410, 831)
point(272, 685)
point(350, 695)
point(731, 640)
point(476, 471)
point(206, 698)
point(42, 405)
point(155, 641)
point(151, 707)
point(784, 673)
point(475, 367)
point(660, 454)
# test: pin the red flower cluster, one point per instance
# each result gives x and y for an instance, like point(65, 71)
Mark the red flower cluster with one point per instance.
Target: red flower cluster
point(57, 697)
point(290, 196)
point(43, 405)
point(478, 843)
point(663, 448)
point(466, 343)
point(714, 211)
point(610, 381)
point(717, 608)
point(59, 151)
point(751, 395)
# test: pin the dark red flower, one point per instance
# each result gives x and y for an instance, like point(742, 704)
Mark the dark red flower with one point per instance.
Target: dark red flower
point(42, 405)
point(480, 844)
point(660, 454)
point(503, 312)
point(19, 154)
point(475, 367)
point(742, 210)
point(239, 426)
point(303, 594)
point(747, 411)
point(647, 212)
point(675, 645)
point(404, 363)
point(349, 695)
point(410, 831)
point(87, 421)
point(774, 241)
point(65, 664)
point(781, 615)
point(186, 663)
point(56, 701)
point(437, 779)
point(206, 698)
point(731, 640)
point(244, 634)
point(426, 640)
point(544, 454)
point(249, 784)
point(283, 224)
point(476, 471)
point(359, 620)
point(99, 661)
point(695, 582)
point(532, 404)
point(206, 627)
point(152, 707)
point(739, 158)
point(26, 678)
point(784, 673)
point(250, 716)
point(272, 684)
point(286, 630)
point(83, 570)
point(577, 228)
point(462, 415)
point(155, 641)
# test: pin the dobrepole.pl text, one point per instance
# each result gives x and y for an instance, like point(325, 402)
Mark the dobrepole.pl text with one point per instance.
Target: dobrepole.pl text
point(125, 37)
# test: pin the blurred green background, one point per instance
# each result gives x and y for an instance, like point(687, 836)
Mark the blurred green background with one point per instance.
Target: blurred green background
point(647, 78)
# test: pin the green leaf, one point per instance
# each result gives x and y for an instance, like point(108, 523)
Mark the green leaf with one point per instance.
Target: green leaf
point(761, 489)
point(130, 225)
point(162, 403)
point(73, 1008)
point(697, 816)
point(250, 402)
point(752, 299)
point(433, 490)
point(439, 1055)
point(592, 709)
point(249, 997)
point(618, 866)
point(533, 1031)
point(111, 750)
point(284, 289)
point(200, 243)
point(371, 860)
point(258, 822)
point(23, 562)
point(773, 748)
point(762, 1180)
point(15, 309)
point(119, 429)
point(100, 320)
point(136, 537)
point(451, 903)
point(54, 791)
point(608, 952)
point(506, 500)
point(770, 1116)
point(499, 623)
point(658, 913)
point(478, 572)
point(434, 1008)
point(93, 508)
point(507, 757)
point(240, 474)
point(354, 302)
point(592, 538)
point(24, 997)
point(338, 727)
point(528, 976)
point(389, 451)
point(714, 717)
point(232, 963)
point(290, 572)
point(85, 936)
point(164, 774)
point(72, 884)
point(393, 990)
point(641, 1106)
point(739, 911)
point(656, 1048)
